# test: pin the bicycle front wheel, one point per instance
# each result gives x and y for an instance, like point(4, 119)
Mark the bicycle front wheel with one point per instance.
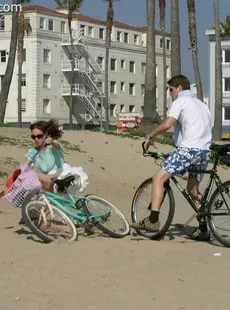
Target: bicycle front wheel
point(111, 222)
point(141, 207)
point(219, 221)
point(48, 222)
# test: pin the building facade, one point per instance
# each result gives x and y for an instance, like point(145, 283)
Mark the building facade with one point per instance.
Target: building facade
point(225, 46)
point(47, 67)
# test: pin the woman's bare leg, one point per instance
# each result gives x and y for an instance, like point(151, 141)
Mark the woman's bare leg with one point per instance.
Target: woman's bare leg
point(46, 181)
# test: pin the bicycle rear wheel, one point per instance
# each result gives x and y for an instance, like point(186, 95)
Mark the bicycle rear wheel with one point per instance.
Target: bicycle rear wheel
point(141, 205)
point(220, 205)
point(98, 205)
point(48, 224)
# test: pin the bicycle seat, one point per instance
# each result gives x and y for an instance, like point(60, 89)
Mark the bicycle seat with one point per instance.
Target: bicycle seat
point(64, 183)
point(222, 149)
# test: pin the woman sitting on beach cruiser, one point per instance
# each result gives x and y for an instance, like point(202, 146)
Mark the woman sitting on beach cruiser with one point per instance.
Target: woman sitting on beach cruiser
point(47, 153)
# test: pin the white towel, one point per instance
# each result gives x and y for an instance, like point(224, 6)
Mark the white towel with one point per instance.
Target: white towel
point(81, 178)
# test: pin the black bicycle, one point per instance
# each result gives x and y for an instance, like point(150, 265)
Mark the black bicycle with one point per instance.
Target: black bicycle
point(214, 206)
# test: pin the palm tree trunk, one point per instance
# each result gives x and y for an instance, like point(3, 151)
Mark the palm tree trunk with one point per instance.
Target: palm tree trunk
point(193, 43)
point(10, 64)
point(20, 62)
point(72, 74)
point(162, 6)
point(109, 22)
point(217, 130)
point(175, 39)
point(150, 114)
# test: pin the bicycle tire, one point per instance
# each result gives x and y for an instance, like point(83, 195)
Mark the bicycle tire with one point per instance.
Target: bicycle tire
point(164, 229)
point(97, 199)
point(40, 234)
point(210, 218)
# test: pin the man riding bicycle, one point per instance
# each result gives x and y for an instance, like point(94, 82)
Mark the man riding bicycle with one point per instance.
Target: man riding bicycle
point(191, 119)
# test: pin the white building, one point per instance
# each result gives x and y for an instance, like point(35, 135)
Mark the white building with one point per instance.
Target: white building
point(194, 90)
point(225, 45)
point(47, 67)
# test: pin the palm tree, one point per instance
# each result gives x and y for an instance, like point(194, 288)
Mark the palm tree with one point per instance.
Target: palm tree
point(162, 7)
point(193, 43)
point(150, 114)
point(175, 39)
point(10, 64)
point(72, 6)
point(24, 27)
point(217, 130)
point(225, 27)
point(109, 25)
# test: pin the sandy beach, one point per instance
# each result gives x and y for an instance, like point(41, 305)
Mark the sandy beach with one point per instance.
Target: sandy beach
point(99, 272)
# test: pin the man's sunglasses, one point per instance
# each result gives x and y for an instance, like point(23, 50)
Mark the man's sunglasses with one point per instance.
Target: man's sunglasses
point(37, 136)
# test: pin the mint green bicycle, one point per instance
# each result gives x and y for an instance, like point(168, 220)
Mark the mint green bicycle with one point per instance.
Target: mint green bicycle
point(58, 215)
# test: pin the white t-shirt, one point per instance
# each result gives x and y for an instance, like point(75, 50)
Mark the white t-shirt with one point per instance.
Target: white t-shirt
point(193, 128)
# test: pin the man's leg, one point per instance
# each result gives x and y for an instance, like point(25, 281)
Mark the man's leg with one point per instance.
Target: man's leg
point(151, 223)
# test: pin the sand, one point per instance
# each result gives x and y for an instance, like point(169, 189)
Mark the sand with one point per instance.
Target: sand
point(100, 272)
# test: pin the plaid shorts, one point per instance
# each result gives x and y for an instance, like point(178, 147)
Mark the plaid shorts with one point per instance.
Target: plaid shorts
point(184, 160)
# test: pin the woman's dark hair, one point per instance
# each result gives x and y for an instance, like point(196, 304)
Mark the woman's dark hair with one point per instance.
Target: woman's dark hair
point(50, 128)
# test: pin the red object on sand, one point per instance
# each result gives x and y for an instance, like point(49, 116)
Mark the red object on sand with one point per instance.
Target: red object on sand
point(11, 179)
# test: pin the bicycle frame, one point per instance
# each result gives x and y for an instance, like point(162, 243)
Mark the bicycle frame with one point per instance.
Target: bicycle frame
point(63, 203)
point(214, 177)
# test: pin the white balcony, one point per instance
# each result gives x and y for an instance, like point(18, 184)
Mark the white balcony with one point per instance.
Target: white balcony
point(79, 65)
point(77, 90)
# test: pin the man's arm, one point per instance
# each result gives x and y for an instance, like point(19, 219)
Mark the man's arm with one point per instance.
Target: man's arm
point(163, 127)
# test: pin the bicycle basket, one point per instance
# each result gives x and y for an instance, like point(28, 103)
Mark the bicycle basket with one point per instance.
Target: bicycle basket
point(27, 184)
point(225, 160)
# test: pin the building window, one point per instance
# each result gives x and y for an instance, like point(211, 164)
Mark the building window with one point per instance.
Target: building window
point(143, 67)
point(126, 37)
point(82, 30)
point(161, 42)
point(3, 56)
point(132, 67)
point(24, 54)
point(42, 23)
point(226, 84)
point(156, 69)
point(227, 114)
point(113, 87)
point(226, 56)
point(118, 36)
point(47, 56)
point(168, 44)
point(51, 25)
point(122, 87)
point(131, 108)
point(142, 90)
point(2, 22)
point(113, 63)
point(46, 80)
point(112, 109)
point(23, 105)
point(136, 39)
point(63, 27)
point(122, 64)
point(132, 89)
point(100, 61)
point(46, 106)
point(122, 108)
point(23, 83)
point(90, 31)
point(101, 33)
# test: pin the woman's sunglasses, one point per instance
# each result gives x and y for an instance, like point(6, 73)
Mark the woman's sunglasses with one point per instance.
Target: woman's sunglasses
point(37, 136)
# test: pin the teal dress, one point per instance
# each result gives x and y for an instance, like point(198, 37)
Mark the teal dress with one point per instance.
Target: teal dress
point(50, 160)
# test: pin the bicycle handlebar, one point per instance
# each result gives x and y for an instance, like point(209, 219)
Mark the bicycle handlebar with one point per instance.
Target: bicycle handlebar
point(155, 155)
